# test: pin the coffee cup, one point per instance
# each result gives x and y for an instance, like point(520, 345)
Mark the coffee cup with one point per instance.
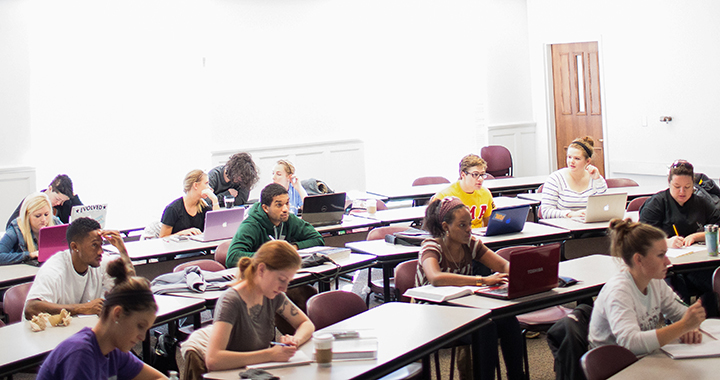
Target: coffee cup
point(323, 349)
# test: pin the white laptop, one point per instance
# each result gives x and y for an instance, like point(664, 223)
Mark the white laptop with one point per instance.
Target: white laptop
point(604, 207)
point(97, 212)
point(221, 224)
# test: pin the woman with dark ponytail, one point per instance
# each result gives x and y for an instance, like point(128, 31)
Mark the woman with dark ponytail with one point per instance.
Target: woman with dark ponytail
point(632, 304)
point(103, 352)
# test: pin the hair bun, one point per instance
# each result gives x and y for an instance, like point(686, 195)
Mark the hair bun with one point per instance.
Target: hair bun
point(117, 270)
point(587, 140)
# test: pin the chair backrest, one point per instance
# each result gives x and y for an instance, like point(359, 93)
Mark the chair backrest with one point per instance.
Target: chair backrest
point(716, 284)
point(221, 252)
point(432, 180)
point(636, 203)
point(14, 301)
point(488, 176)
point(204, 264)
point(405, 278)
point(499, 160)
point(327, 308)
point(602, 362)
point(507, 251)
point(620, 182)
point(379, 233)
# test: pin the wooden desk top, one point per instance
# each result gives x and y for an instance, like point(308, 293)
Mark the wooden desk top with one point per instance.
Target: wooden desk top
point(405, 332)
point(16, 274)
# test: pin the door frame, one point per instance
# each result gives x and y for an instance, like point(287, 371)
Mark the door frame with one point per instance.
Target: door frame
point(550, 103)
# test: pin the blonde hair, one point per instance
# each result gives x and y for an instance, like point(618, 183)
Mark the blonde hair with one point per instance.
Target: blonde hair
point(289, 167)
point(275, 254)
point(31, 204)
point(471, 160)
point(192, 178)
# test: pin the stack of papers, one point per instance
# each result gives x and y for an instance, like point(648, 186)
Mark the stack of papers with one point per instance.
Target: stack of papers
point(440, 293)
point(710, 346)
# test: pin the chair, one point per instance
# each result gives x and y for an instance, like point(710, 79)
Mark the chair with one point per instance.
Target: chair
point(602, 362)
point(204, 264)
point(14, 301)
point(432, 180)
point(151, 231)
point(716, 283)
point(636, 203)
point(221, 253)
point(488, 176)
point(620, 182)
point(377, 287)
point(499, 160)
point(405, 278)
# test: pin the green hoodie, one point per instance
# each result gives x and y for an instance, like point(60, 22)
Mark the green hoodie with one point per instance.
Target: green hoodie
point(256, 229)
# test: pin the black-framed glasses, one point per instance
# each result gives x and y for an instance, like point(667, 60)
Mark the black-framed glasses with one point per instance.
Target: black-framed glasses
point(475, 175)
point(681, 164)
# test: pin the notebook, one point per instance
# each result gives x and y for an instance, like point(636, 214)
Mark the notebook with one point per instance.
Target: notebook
point(532, 270)
point(51, 240)
point(221, 224)
point(604, 207)
point(97, 212)
point(324, 209)
point(507, 220)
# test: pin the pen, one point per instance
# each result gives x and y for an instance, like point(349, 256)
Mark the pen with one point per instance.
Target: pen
point(287, 345)
point(273, 238)
point(681, 302)
point(675, 228)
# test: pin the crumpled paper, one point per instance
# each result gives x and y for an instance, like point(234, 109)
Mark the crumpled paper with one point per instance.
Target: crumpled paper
point(44, 320)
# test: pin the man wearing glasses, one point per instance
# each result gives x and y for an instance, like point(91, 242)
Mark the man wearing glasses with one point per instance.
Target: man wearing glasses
point(469, 189)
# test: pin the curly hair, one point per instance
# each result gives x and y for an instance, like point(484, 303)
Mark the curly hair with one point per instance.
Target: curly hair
point(241, 169)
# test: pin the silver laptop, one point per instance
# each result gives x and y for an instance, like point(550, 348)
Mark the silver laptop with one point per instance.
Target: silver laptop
point(97, 212)
point(221, 224)
point(604, 207)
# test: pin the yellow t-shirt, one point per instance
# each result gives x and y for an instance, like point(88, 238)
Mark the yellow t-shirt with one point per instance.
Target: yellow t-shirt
point(480, 202)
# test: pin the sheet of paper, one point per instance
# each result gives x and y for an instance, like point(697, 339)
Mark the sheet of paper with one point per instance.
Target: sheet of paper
point(677, 252)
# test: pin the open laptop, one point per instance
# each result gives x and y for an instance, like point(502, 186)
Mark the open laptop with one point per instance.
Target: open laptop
point(324, 209)
point(51, 240)
point(507, 220)
point(97, 212)
point(221, 224)
point(532, 270)
point(604, 207)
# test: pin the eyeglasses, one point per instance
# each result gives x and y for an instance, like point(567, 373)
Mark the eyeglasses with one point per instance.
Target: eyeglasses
point(681, 164)
point(476, 175)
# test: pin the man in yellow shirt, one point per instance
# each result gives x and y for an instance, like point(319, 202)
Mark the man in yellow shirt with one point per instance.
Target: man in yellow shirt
point(470, 190)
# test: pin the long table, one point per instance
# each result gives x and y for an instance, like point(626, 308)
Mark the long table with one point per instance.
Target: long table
point(16, 274)
point(657, 365)
point(167, 247)
point(405, 332)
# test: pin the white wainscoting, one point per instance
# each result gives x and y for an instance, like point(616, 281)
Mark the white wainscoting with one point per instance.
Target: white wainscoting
point(341, 164)
point(15, 185)
point(519, 138)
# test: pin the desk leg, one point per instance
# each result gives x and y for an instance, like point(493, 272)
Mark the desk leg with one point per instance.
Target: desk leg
point(476, 341)
point(146, 347)
point(387, 274)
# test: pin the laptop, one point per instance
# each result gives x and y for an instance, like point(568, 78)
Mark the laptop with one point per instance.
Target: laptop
point(507, 220)
point(605, 207)
point(324, 209)
point(221, 224)
point(532, 270)
point(51, 240)
point(97, 212)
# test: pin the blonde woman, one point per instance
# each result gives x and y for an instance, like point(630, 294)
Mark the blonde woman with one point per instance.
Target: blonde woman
point(284, 174)
point(20, 240)
point(186, 215)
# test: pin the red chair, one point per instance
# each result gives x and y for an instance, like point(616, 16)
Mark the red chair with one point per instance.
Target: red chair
point(405, 278)
point(430, 181)
point(620, 182)
point(716, 283)
point(14, 301)
point(602, 362)
point(377, 287)
point(204, 264)
point(221, 253)
point(499, 160)
point(636, 203)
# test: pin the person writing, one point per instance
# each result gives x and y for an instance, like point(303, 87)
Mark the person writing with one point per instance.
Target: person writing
point(20, 242)
point(284, 174)
point(446, 260)
point(469, 189)
point(186, 215)
point(565, 193)
point(235, 179)
point(103, 352)
point(244, 326)
point(631, 304)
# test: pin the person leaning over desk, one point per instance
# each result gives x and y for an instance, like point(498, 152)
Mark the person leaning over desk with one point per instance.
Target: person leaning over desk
point(270, 219)
point(235, 179)
point(186, 215)
point(103, 352)
point(61, 195)
point(469, 189)
point(20, 242)
point(565, 193)
point(75, 279)
point(446, 260)
point(632, 303)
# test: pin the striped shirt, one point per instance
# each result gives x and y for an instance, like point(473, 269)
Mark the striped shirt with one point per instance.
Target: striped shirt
point(558, 198)
point(464, 266)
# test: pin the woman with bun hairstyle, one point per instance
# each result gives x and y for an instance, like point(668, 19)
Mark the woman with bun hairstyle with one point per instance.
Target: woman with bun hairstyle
point(631, 304)
point(186, 215)
point(21, 237)
point(447, 260)
point(244, 324)
point(103, 352)
point(566, 191)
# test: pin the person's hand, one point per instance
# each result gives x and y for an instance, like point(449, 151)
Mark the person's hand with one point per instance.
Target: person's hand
point(190, 231)
point(675, 242)
point(114, 238)
point(593, 171)
point(289, 339)
point(90, 307)
point(691, 337)
point(33, 254)
point(576, 214)
point(208, 193)
point(495, 279)
point(694, 316)
point(233, 192)
point(281, 353)
point(689, 240)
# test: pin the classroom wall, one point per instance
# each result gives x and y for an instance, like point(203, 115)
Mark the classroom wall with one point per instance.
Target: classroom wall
point(127, 96)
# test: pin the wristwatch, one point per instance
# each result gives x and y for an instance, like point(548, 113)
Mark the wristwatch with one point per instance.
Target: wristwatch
point(479, 281)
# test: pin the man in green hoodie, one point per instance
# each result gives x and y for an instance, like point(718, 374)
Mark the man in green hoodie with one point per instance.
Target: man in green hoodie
point(271, 219)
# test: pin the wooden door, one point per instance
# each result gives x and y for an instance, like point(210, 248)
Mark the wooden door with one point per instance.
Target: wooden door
point(576, 88)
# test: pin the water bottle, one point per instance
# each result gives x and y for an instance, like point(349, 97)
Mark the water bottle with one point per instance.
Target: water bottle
point(173, 375)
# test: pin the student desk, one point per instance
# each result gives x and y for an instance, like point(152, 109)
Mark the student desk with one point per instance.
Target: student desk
point(657, 365)
point(349, 222)
point(592, 272)
point(532, 233)
point(578, 228)
point(405, 332)
point(632, 192)
point(697, 260)
point(16, 274)
point(396, 215)
point(165, 247)
point(170, 309)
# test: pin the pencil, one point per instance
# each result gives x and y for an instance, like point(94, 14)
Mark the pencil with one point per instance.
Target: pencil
point(675, 228)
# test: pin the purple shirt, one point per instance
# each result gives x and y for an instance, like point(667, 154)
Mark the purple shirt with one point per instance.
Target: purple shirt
point(79, 357)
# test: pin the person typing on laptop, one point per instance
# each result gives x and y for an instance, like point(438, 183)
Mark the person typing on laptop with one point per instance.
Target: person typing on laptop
point(186, 215)
point(271, 219)
point(75, 279)
point(565, 193)
point(446, 260)
point(20, 242)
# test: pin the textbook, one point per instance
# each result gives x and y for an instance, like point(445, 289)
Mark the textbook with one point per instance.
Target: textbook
point(709, 348)
point(300, 358)
point(354, 349)
point(440, 293)
point(335, 253)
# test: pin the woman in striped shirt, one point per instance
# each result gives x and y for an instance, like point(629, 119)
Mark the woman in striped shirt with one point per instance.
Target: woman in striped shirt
point(565, 193)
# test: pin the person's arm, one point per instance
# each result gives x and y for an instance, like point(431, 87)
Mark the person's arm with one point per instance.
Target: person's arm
point(149, 373)
point(298, 320)
point(208, 194)
point(304, 235)
point(8, 252)
point(298, 187)
point(549, 204)
point(37, 306)
point(218, 358)
point(245, 242)
point(598, 182)
point(684, 328)
point(113, 237)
